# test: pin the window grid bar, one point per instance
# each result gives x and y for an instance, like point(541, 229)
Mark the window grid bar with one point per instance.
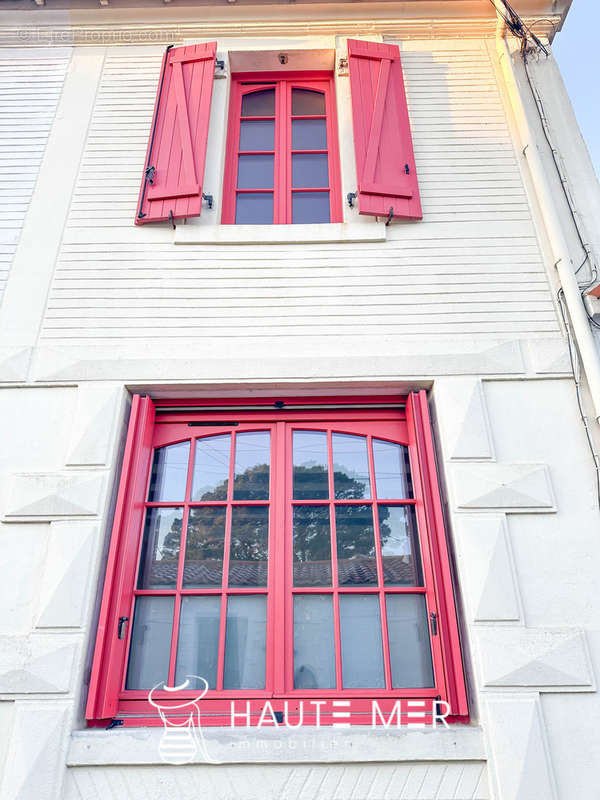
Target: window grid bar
point(334, 569)
point(225, 576)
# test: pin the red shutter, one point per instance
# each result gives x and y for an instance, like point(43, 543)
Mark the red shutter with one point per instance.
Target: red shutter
point(385, 163)
point(174, 172)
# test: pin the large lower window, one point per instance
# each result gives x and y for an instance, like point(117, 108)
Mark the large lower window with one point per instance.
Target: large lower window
point(281, 552)
point(282, 156)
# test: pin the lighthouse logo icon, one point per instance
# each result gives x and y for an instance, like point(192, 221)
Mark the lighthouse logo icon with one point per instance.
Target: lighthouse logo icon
point(182, 740)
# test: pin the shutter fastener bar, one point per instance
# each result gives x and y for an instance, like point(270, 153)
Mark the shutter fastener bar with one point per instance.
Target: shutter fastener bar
point(149, 174)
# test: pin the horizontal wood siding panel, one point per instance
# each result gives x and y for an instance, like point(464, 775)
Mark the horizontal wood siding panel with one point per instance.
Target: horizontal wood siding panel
point(471, 268)
point(30, 88)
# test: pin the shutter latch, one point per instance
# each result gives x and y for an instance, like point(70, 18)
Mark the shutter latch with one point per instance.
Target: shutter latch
point(121, 627)
point(351, 197)
point(208, 198)
point(390, 216)
point(407, 169)
point(150, 173)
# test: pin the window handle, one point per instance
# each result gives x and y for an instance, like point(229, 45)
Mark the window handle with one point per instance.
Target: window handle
point(433, 623)
point(121, 627)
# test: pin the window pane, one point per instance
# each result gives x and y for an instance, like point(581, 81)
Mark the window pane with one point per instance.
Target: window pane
point(307, 101)
point(355, 545)
point(362, 647)
point(310, 465)
point(245, 642)
point(255, 172)
point(198, 646)
point(392, 470)
point(309, 134)
point(410, 648)
point(350, 467)
point(169, 473)
point(259, 104)
point(211, 468)
point(160, 548)
point(254, 209)
point(310, 207)
point(308, 170)
point(150, 642)
point(314, 650)
point(400, 546)
point(258, 134)
point(252, 456)
point(312, 546)
point(249, 546)
point(204, 547)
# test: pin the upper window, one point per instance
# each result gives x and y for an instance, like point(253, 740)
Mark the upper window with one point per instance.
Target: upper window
point(282, 158)
point(288, 555)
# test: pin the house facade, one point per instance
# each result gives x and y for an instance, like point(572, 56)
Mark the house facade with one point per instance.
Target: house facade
point(300, 392)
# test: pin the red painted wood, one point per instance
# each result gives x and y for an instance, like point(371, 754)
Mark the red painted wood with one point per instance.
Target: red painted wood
point(179, 135)
point(108, 696)
point(382, 137)
point(283, 83)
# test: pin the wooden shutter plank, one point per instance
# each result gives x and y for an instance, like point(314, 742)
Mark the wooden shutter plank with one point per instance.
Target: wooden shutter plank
point(177, 148)
point(382, 138)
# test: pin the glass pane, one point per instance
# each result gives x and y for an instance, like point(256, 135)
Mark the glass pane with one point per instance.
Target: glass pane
point(245, 642)
point(249, 546)
point(310, 207)
point(392, 470)
point(204, 547)
point(169, 473)
point(307, 101)
point(198, 646)
point(259, 104)
point(150, 642)
point(258, 134)
point(309, 134)
point(355, 538)
point(160, 548)
point(314, 650)
point(350, 467)
point(254, 209)
point(308, 170)
point(400, 546)
point(410, 648)
point(255, 172)
point(211, 468)
point(362, 647)
point(312, 546)
point(252, 456)
point(310, 465)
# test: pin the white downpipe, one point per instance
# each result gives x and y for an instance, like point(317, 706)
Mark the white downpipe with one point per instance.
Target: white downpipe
point(586, 344)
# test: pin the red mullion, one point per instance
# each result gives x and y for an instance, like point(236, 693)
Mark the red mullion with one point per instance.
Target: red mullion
point(182, 548)
point(260, 119)
point(426, 544)
point(288, 488)
point(310, 152)
point(310, 189)
point(283, 158)
point(256, 152)
point(280, 627)
point(366, 589)
point(254, 191)
point(334, 569)
point(308, 116)
point(225, 576)
point(379, 556)
point(351, 502)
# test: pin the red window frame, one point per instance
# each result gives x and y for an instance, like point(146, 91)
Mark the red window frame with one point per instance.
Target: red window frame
point(246, 83)
point(404, 420)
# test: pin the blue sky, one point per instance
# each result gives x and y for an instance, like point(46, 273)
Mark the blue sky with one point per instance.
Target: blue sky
point(576, 51)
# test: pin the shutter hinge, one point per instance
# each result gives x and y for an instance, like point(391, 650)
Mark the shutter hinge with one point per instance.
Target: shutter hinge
point(114, 723)
point(150, 173)
point(433, 621)
point(351, 197)
point(407, 169)
point(220, 63)
point(172, 219)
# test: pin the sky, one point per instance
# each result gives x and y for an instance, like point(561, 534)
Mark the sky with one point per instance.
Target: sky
point(576, 51)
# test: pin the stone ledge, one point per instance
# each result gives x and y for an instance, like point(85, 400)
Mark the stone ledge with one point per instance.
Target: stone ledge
point(139, 746)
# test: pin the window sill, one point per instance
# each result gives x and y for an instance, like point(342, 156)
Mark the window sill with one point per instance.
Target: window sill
point(328, 233)
point(139, 746)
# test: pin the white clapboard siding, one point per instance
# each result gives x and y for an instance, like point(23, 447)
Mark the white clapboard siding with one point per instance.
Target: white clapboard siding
point(30, 86)
point(471, 268)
